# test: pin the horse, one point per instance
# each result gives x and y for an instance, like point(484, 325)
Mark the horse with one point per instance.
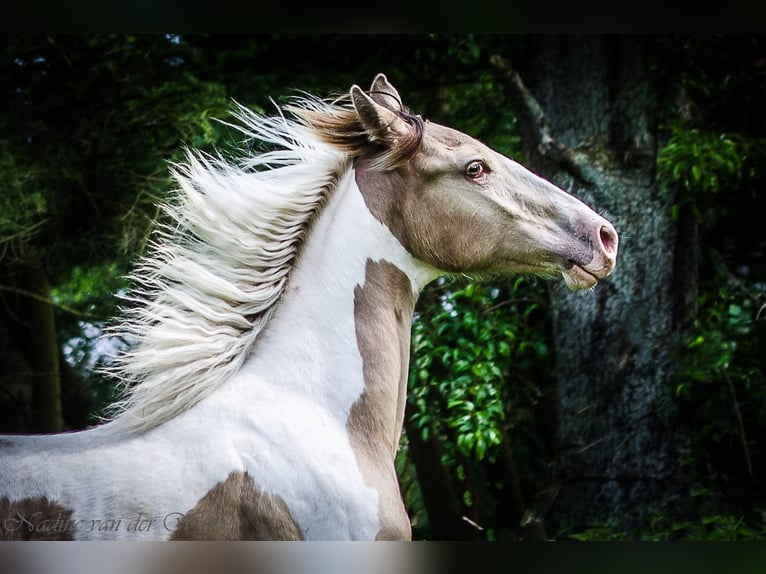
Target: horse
point(270, 318)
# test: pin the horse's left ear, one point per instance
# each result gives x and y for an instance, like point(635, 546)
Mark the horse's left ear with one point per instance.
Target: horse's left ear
point(382, 124)
point(385, 94)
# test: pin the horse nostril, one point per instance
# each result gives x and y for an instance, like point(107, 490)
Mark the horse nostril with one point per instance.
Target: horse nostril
point(608, 239)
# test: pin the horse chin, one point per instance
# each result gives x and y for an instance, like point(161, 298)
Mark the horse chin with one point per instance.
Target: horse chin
point(577, 278)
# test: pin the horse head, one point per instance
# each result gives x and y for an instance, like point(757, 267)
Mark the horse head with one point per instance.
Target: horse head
point(462, 207)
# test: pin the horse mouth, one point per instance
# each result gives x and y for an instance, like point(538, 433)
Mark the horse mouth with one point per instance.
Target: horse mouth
point(577, 277)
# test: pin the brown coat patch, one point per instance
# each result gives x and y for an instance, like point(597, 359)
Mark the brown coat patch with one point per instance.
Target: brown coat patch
point(35, 519)
point(236, 509)
point(383, 309)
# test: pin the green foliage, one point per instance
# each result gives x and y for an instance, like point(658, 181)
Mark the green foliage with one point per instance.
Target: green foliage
point(702, 164)
point(23, 206)
point(88, 289)
point(721, 396)
point(479, 380)
point(712, 164)
point(703, 521)
point(464, 352)
point(723, 345)
point(718, 384)
point(411, 491)
point(714, 528)
point(89, 124)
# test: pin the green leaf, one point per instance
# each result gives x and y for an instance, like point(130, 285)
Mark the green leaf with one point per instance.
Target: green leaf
point(481, 448)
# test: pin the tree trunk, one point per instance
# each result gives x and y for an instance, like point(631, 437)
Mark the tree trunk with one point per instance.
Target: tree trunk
point(439, 497)
point(615, 453)
point(15, 382)
point(39, 340)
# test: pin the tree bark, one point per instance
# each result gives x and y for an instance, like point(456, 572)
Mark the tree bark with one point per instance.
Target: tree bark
point(584, 125)
point(36, 328)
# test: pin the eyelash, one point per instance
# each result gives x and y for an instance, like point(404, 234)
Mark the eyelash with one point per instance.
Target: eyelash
point(480, 165)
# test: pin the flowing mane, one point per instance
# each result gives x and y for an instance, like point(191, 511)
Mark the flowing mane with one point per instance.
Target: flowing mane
point(214, 270)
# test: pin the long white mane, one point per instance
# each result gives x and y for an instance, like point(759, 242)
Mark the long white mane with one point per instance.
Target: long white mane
point(213, 272)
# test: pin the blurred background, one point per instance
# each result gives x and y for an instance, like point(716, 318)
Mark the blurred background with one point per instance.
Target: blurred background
point(636, 411)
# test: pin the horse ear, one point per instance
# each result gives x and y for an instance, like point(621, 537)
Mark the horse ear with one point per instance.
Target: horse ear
point(385, 94)
point(382, 124)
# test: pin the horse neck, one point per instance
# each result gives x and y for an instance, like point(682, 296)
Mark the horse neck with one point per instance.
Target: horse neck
point(340, 336)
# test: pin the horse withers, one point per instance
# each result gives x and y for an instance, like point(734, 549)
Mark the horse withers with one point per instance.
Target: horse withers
point(270, 319)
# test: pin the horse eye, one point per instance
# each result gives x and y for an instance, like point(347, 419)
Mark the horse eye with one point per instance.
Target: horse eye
point(475, 169)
